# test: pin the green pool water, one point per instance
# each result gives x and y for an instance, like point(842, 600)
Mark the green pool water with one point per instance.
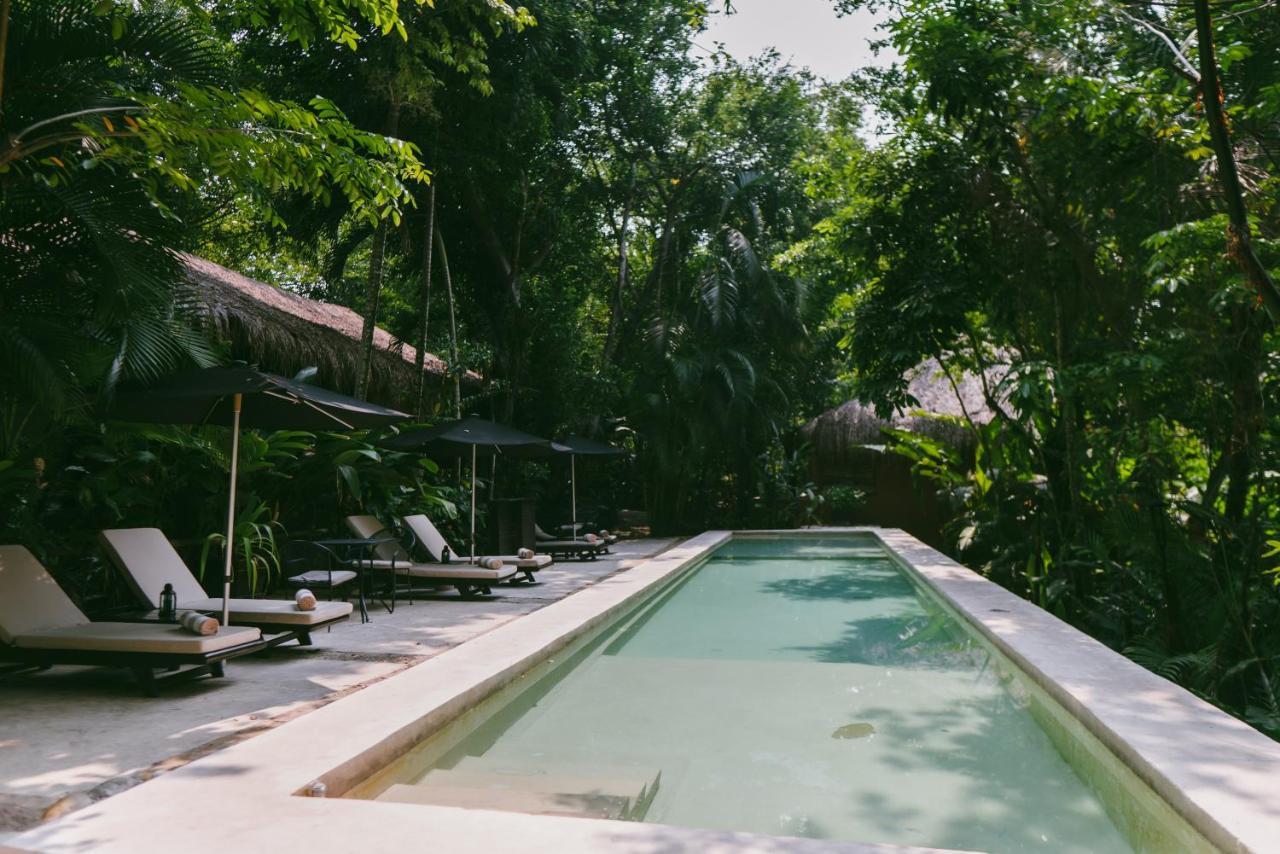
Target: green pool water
point(800, 687)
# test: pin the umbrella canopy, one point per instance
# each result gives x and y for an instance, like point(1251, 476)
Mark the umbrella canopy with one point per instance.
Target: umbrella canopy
point(576, 446)
point(238, 396)
point(207, 396)
point(470, 436)
point(474, 437)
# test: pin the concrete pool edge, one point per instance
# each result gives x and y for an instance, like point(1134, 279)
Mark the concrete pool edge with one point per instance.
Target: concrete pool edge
point(254, 784)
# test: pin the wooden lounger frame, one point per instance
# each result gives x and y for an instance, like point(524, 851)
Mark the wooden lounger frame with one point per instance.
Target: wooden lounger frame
point(143, 664)
point(469, 589)
point(280, 632)
point(285, 632)
point(580, 550)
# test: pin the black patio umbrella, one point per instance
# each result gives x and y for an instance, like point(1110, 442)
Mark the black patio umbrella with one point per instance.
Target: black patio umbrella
point(218, 396)
point(576, 446)
point(475, 437)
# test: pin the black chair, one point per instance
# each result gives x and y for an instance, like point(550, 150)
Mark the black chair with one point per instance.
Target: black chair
point(317, 567)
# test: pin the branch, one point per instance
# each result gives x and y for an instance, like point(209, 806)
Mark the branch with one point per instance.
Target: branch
point(1239, 232)
point(1184, 65)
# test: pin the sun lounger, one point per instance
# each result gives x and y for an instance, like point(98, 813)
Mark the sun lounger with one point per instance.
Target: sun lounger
point(40, 626)
point(468, 579)
point(426, 533)
point(148, 562)
point(580, 548)
point(581, 530)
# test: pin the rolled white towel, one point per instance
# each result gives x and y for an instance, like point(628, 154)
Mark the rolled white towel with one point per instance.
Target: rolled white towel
point(305, 600)
point(605, 534)
point(491, 562)
point(197, 623)
point(525, 554)
point(592, 538)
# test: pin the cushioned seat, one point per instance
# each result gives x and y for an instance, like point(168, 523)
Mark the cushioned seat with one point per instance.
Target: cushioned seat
point(425, 531)
point(575, 548)
point(275, 610)
point(148, 562)
point(392, 554)
point(134, 637)
point(456, 570)
point(453, 569)
point(41, 626)
point(538, 561)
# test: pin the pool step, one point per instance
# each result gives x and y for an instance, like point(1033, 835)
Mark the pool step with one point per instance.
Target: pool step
point(625, 799)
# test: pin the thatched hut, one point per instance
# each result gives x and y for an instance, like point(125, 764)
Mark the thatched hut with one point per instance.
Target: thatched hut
point(847, 447)
point(285, 332)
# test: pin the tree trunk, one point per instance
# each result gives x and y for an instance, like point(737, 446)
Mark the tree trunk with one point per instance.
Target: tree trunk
point(1239, 231)
point(624, 270)
point(373, 284)
point(1246, 412)
point(428, 246)
point(372, 292)
point(454, 367)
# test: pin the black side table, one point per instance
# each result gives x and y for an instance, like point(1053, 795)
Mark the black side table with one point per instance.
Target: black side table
point(360, 555)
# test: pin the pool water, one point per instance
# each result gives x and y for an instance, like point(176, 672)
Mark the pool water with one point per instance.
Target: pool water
point(800, 687)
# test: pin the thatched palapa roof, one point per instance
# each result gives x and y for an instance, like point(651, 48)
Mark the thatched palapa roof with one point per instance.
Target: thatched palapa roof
point(286, 332)
point(839, 435)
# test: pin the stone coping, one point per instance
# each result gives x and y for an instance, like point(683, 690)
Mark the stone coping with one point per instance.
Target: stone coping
point(1215, 770)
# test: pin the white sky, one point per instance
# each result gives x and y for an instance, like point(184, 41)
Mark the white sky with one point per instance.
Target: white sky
point(806, 32)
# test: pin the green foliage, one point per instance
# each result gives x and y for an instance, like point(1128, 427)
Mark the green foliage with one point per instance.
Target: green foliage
point(1047, 217)
point(254, 551)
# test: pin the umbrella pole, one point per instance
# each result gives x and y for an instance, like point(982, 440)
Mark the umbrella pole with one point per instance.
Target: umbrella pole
point(231, 509)
point(473, 503)
point(573, 494)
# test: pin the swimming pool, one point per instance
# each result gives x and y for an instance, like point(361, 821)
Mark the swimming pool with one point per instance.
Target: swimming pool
point(1176, 774)
point(797, 686)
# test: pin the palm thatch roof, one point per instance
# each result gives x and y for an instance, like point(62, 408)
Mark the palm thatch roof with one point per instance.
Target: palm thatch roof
point(285, 332)
point(838, 436)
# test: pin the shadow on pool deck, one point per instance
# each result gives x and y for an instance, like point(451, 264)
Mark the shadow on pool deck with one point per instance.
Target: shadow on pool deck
point(74, 735)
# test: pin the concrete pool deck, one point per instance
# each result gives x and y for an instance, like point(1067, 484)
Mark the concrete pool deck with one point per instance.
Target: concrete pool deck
point(75, 735)
point(1216, 772)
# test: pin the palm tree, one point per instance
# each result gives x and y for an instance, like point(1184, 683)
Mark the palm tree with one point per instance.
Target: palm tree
point(88, 282)
point(714, 402)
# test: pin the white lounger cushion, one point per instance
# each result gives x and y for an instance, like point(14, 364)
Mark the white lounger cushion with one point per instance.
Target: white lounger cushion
point(425, 531)
point(35, 613)
point(149, 561)
point(535, 562)
point(29, 597)
point(368, 527)
point(272, 611)
point(433, 541)
point(453, 569)
point(135, 637)
point(459, 571)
